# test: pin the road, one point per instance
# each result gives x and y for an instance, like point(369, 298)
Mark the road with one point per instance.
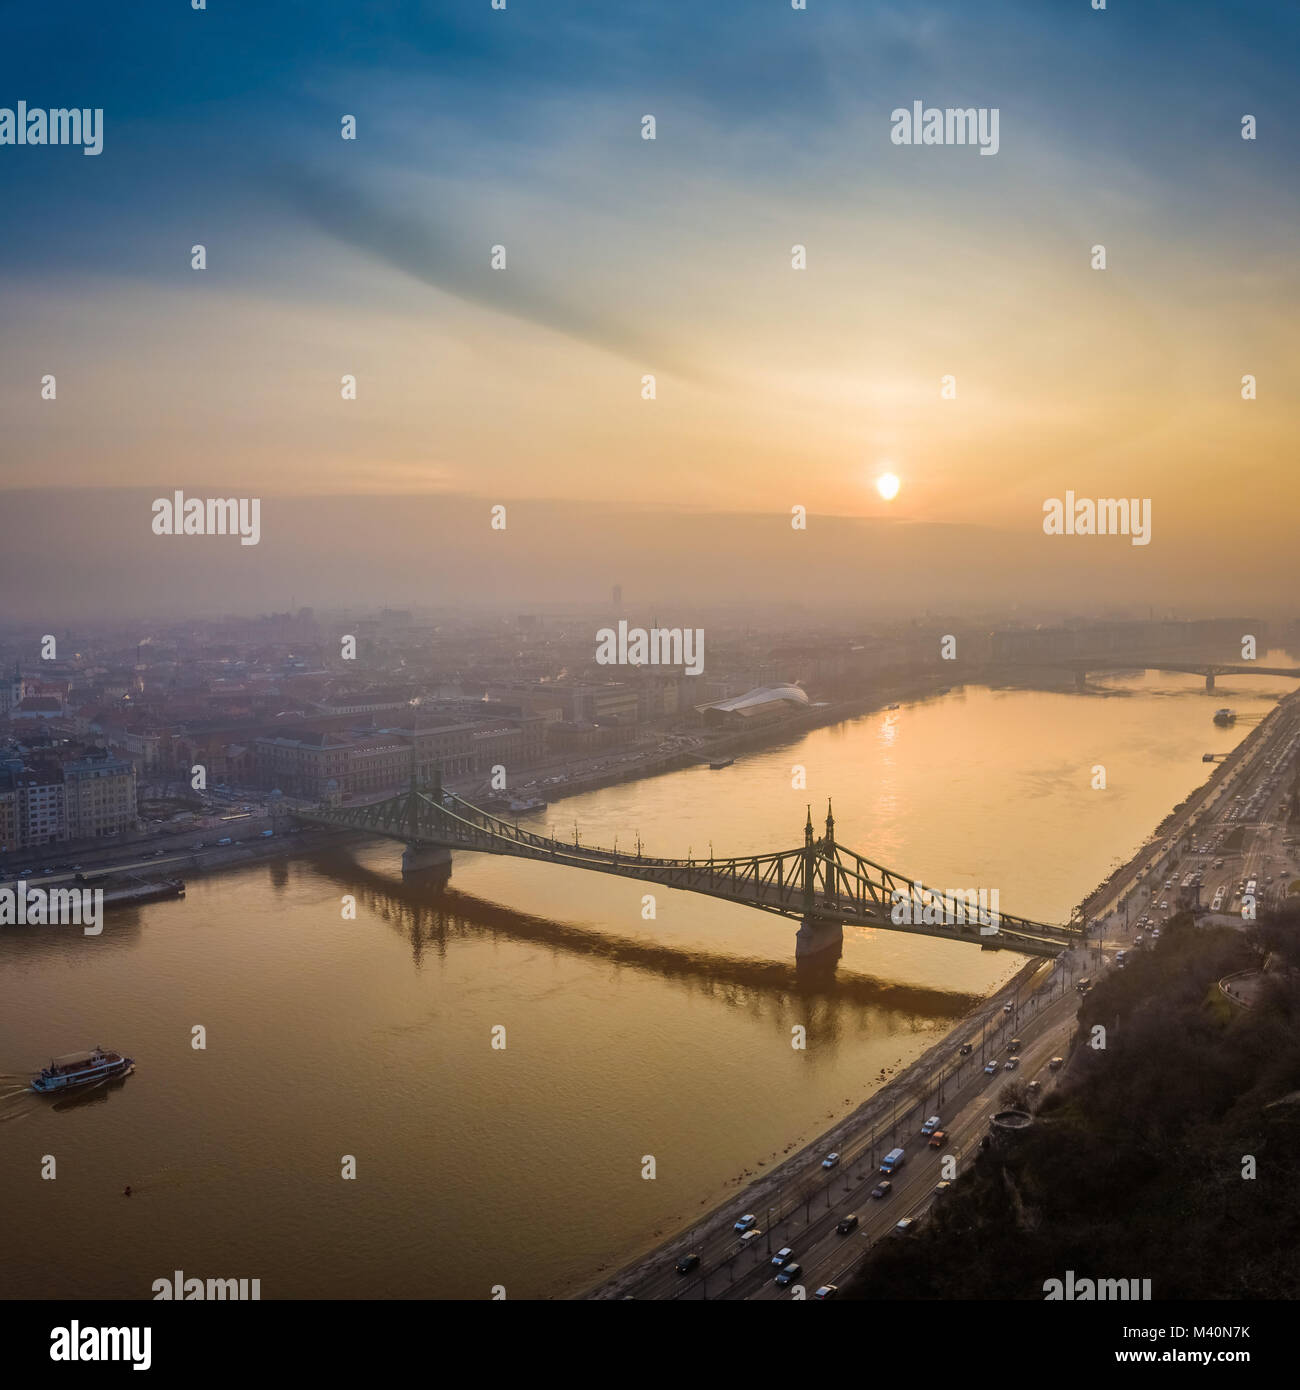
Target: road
point(1252, 802)
point(830, 1258)
point(815, 1199)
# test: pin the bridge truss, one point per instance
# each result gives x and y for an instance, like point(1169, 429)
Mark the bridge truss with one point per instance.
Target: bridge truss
point(819, 880)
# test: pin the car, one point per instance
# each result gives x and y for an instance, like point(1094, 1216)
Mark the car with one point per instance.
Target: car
point(964, 1050)
point(1056, 1064)
point(939, 1138)
point(783, 1257)
point(687, 1263)
point(1011, 1064)
point(941, 1188)
point(1008, 1008)
point(1137, 940)
point(831, 1161)
point(1014, 1045)
point(750, 1236)
point(789, 1274)
point(1034, 1087)
point(931, 1125)
point(1155, 933)
point(905, 1225)
point(826, 1291)
point(990, 1067)
point(882, 1189)
point(848, 1224)
point(746, 1222)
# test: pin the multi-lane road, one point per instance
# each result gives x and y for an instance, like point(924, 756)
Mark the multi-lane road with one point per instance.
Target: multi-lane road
point(1241, 835)
point(813, 1200)
point(829, 1258)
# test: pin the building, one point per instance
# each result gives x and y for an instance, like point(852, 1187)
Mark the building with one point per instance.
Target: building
point(371, 702)
point(582, 739)
point(40, 806)
point(377, 764)
point(37, 707)
point(301, 763)
point(759, 706)
point(99, 796)
point(12, 691)
point(8, 810)
point(446, 748)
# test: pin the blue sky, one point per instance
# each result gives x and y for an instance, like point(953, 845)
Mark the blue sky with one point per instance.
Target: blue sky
point(208, 111)
point(671, 258)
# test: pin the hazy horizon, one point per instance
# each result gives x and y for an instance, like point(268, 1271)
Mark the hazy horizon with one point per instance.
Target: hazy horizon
point(775, 387)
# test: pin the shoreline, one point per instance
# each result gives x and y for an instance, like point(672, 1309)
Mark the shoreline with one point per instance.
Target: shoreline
point(909, 1085)
point(754, 1195)
point(759, 740)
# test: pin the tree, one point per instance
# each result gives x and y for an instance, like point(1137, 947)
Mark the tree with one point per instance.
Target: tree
point(1014, 1095)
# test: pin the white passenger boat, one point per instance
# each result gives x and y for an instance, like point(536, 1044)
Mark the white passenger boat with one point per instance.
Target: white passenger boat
point(82, 1069)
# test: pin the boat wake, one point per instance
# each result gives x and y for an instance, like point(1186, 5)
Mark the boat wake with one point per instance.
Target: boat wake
point(17, 1102)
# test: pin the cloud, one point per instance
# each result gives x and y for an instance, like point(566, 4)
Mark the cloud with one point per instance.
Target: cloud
point(432, 250)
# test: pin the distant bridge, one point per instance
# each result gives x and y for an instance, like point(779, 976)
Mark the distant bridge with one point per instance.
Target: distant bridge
point(821, 884)
point(1208, 669)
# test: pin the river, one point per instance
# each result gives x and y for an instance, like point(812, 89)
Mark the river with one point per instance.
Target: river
point(625, 1038)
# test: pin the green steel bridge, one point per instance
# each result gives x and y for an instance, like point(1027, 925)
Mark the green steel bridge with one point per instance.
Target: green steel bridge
point(821, 884)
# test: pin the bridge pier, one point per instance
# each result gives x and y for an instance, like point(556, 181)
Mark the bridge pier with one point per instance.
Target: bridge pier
point(426, 859)
point(820, 939)
point(1081, 680)
point(1209, 681)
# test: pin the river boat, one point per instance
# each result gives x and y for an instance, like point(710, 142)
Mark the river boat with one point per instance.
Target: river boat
point(78, 1069)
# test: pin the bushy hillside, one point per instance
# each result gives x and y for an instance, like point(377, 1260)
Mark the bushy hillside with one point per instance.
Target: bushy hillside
point(1133, 1167)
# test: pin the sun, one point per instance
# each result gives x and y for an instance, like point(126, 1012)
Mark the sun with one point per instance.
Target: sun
point(887, 486)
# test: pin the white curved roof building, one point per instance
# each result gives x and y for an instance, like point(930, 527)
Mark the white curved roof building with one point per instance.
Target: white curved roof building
point(766, 699)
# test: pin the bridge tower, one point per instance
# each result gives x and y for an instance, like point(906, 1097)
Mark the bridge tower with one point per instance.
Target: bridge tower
point(420, 857)
point(819, 939)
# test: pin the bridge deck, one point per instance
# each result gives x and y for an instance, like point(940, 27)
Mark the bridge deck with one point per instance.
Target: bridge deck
point(820, 879)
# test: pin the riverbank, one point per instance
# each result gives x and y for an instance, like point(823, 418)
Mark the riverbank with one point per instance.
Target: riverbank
point(897, 1096)
point(902, 1092)
point(1162, 849)
point(716, 748)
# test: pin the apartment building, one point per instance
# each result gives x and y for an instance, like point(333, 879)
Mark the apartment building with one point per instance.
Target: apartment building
point(99, 796)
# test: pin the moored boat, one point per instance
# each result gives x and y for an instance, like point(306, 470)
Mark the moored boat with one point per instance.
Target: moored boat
point(81, 1069)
